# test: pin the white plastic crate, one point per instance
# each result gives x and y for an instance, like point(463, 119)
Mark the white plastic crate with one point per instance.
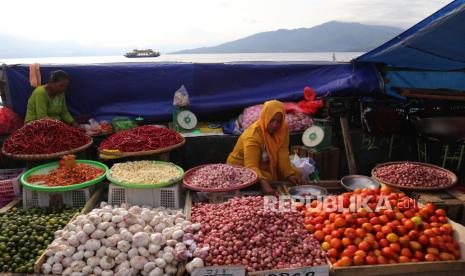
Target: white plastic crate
point(76, 198)
point(9, 183)
point(169, 197)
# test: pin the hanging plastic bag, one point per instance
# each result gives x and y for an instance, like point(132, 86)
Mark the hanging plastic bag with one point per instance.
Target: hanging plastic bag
point(9, 121)
point(304, 165)
point(181, 97)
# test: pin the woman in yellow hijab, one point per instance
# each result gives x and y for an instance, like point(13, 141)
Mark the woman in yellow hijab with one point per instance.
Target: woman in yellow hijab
point(264, 148)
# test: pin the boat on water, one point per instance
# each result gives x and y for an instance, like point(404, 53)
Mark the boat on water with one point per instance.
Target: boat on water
point(142, 53)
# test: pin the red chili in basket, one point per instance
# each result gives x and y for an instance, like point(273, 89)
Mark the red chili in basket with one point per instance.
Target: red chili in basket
point(144, 138)
point(45, 136)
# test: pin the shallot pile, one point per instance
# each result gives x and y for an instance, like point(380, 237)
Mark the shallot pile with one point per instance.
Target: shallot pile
point(45, 136)
point(218, 176)
point(242, 232)
point(124, 241)
point(144, 138)
point(144, 172)
point(412, 175)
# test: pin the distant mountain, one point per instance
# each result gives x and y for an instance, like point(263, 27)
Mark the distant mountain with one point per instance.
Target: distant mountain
point(332, 36)
point(15, 47)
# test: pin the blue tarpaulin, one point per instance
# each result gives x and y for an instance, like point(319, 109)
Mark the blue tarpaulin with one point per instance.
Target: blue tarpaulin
point(436, 43)
point(146, 89)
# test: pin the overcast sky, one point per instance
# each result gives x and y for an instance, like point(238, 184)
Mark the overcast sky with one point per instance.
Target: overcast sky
point(179, 24)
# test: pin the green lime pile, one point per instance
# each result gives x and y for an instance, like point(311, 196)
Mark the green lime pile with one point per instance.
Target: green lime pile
point(25, 234)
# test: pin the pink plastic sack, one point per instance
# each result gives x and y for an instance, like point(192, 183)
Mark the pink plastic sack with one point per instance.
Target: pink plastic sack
point(9, 121)
point(296, 122)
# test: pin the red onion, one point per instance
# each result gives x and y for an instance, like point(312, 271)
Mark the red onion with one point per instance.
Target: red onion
point(256, 238)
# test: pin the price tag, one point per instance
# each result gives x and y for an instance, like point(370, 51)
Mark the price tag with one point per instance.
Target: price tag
point(303, 271)
point(219, 271)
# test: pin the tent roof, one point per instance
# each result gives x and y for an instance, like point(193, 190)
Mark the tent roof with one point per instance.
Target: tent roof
point(435, 43)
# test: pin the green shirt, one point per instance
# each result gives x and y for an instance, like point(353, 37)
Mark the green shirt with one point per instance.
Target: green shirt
point(40, 105)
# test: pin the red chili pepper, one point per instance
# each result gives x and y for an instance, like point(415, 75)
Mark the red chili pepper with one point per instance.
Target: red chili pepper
point(142, 138)
point(45, 136)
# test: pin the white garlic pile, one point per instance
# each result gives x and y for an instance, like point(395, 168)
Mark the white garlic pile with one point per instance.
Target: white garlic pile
point(123, 240)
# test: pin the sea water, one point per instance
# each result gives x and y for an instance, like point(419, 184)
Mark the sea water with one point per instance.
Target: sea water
point(197, 58)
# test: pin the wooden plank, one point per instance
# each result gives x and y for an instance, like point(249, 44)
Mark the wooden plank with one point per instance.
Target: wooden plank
point(10, 205)
point(435, 94)
point(348, 146)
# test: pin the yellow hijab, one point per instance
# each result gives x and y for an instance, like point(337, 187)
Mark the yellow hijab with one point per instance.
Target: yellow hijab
point(272, 142)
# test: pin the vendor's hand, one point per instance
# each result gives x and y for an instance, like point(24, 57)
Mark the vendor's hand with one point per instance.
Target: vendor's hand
point(295, 180)
point(266, 187)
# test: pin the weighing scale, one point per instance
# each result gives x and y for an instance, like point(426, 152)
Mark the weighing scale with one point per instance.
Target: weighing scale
point(184, 120)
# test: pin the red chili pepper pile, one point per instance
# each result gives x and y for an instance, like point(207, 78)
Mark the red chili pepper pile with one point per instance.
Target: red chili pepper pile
point(45, 136)
point(65, 176)
point(142, 138)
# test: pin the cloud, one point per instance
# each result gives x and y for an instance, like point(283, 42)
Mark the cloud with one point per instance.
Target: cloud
point(186, 23)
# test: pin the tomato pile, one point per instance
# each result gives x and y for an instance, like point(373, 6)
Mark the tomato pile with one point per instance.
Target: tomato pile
point(403, 233)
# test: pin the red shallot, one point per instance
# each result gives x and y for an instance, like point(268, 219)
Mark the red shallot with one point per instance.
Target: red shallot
point(242, 232)
point(412, 175)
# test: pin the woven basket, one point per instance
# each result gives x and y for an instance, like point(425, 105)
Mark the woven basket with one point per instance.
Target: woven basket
point(49, 156)
point(452, 177)
point(120, 154)
point(188, 184)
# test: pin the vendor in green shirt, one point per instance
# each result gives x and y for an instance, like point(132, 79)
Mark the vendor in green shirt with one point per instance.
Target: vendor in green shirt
point(48, 101)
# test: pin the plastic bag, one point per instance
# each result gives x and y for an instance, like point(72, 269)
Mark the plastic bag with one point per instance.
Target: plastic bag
point(9, 121)
point(181, 97)
point(122, 123)
point(304, 165)
point(296, 122)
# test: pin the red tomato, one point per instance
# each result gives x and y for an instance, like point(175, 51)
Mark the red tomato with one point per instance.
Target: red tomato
point(414, 245)
point(395, 247)
point(360, 233)
point(433, 219)
point(413, 234)
point(333, 253)
point(387, 252)
point(350, 233)
point(362, 212)
point(386, 230)
point(377, 228)
point(419, 255)
point(390, 214)
point(375, 220)
point(359, 260)
point(384, 243)
point(368, 227)
point(442, 219)
point(335, 243)
point(382, 260)
point(361, 221)
point(364, 245)
point(423, 239)
point(380, 235)
point(345, 261)
point(360, 253)
point(340, 222)
point(384, 219)
point(371, 260)
point(404, 259)
point(346, 242)
point(319, 235)
point(430, 258)
point(408, 224)
point(440, 212)
point(348, 253)
point(406, 252)
point(401, 230)
point(404, 241)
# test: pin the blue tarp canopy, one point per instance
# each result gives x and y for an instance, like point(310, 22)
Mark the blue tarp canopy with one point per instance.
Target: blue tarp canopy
point(146, 89)
point(436, 43)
